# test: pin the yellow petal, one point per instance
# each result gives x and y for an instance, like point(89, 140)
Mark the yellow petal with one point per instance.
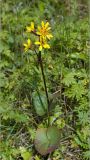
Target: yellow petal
point(46, 45)
point(49, 36)
point(37, 43)
point(48, 28)
point(42, 24)
point(38, 33)
point(28, 29)
point(40, 48)
point(29, 41)
point(32, 25)
point(47, 24)
point(25, 45)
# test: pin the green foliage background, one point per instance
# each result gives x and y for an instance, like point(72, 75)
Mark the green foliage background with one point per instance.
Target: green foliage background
point(66, 69)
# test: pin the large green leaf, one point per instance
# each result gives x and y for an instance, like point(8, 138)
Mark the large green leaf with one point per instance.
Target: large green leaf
point(40, 103)
point(47, 140)
point(41, 141)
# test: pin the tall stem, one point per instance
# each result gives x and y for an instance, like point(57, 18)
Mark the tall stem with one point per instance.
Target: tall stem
point(44, 80)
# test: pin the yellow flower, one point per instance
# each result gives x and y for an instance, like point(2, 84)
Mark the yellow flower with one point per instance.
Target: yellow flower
point(42, 44)
point(30, 28)
point(27, 45)
point(43, 31)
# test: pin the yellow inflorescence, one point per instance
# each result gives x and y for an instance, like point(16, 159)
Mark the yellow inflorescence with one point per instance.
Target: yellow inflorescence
point(43, 33)
point(30, 28)
point(27, 45)
point(42, 44)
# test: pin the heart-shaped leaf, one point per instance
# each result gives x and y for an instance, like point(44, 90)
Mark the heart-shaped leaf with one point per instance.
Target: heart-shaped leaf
point(47, 140)
point(40, 103)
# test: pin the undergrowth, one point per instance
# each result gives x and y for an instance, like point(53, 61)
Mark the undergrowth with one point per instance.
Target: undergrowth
point(66, 71)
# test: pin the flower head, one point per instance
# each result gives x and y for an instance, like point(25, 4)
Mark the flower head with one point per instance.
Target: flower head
point(27, 45)
point(43, 31)
point(42, 44)
point(43, 34)
point(30, 28)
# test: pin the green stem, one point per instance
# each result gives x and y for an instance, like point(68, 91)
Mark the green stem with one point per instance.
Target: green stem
point(44, 80)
